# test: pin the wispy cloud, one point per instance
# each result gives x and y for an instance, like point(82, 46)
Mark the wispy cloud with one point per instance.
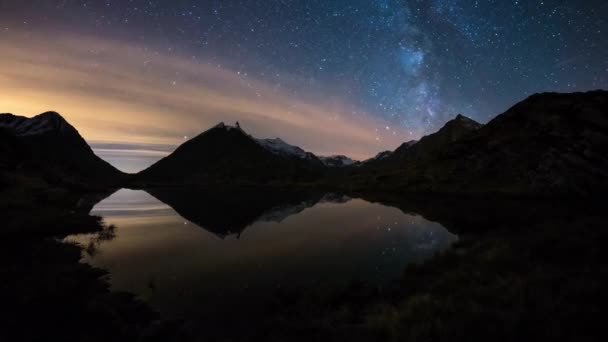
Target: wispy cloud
point(118, 93)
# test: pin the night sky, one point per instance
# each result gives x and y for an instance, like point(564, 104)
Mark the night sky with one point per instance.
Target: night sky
point(350, 77)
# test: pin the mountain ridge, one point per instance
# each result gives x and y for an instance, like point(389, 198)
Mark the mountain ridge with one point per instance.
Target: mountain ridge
point(549, 143)
point(39, 124)
point(48, 147)
point(229, 153)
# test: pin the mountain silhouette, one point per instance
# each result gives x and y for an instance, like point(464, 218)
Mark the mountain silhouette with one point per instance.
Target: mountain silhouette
point(47, 146)
point(548, 144)
point(228, 154)
point(427, 146)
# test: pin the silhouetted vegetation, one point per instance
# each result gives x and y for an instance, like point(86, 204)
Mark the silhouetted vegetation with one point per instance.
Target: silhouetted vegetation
point(543, 280)
point(46, 293)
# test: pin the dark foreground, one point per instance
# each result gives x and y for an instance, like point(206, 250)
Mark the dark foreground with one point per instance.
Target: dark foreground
point(526, 277)
point(521, 270)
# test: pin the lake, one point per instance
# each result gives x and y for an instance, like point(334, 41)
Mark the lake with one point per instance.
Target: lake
point(210, 256)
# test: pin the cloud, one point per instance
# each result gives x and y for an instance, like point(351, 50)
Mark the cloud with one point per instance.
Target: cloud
point(115, 92)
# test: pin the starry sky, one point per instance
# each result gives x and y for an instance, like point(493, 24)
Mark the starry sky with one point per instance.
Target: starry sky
point(348, 77)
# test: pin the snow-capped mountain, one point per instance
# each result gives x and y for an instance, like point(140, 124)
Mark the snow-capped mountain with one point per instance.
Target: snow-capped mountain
point(225, 153)
point(337, 161)
point(277, 145)
point(280, 147)
point(39, 124)
point(53, 149)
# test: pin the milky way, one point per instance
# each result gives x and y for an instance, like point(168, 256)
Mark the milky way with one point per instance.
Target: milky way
point(405, 66)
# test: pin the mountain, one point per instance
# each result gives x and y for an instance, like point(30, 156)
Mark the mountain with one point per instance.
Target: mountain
point(226, 154)
point(424, 148)
point(47, 146)
point(429, 145)
point(547, 144)
point(338, 161)
point(12, 151)
point(452, 131)
point(380, 156)
point(38, 125)
point(281, 148)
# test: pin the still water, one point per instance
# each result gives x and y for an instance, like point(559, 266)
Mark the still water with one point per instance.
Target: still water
point(207, 255)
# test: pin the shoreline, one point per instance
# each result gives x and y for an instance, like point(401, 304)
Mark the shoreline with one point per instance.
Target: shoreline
point(510, 257)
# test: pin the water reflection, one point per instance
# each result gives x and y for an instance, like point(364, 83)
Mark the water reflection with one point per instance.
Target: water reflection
point(194, 253)
point(230, 211)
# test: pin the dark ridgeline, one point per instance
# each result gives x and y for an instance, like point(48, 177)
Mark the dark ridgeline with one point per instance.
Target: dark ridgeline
point(47, 146)
point(549, 144)
point(226, 154)
point(426, 147)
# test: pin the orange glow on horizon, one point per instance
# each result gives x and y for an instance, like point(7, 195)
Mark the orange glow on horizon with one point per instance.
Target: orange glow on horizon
point(120, 93)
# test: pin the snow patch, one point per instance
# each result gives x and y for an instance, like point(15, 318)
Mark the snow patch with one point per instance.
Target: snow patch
point(39, 124)
point(337, 161)
point(280, 147)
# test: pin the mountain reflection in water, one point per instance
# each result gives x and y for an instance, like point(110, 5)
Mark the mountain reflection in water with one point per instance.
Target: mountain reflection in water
point(199, 254)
